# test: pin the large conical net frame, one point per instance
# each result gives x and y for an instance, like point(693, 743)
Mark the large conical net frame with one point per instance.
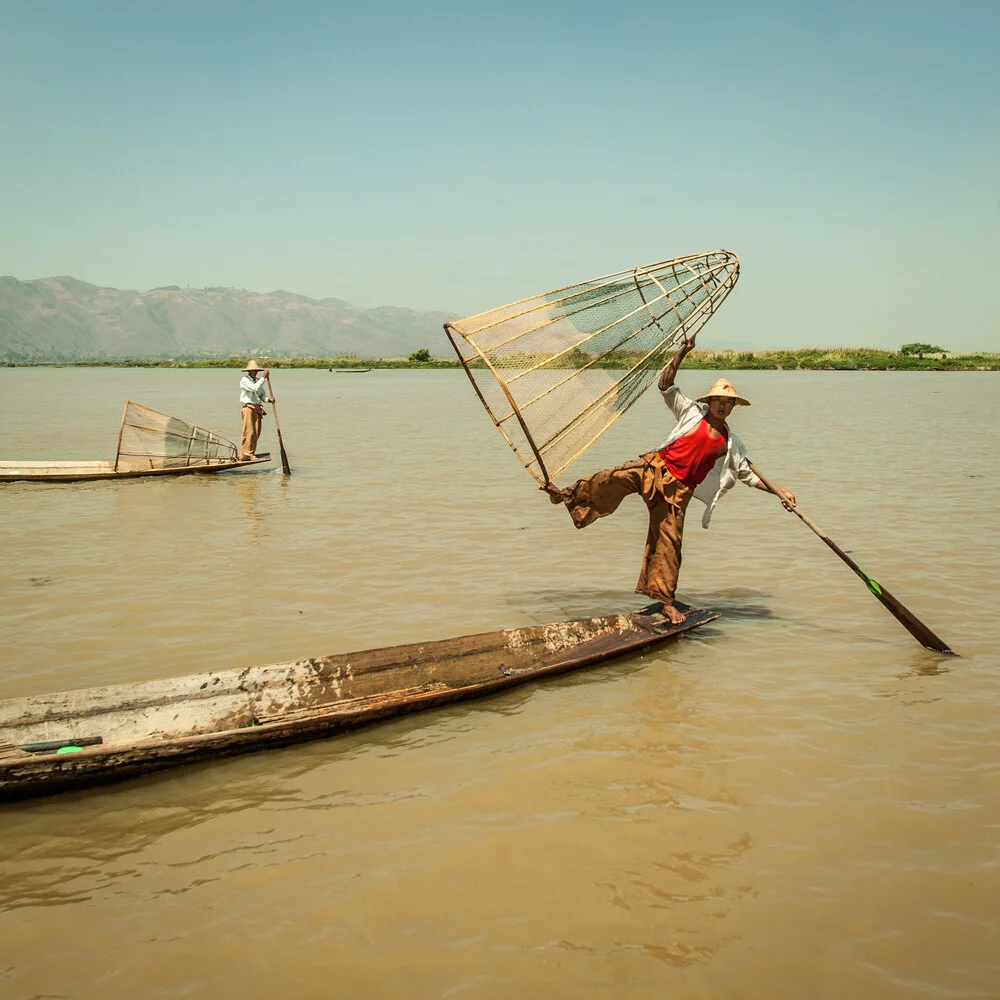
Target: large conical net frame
point(149, 439)
point(554, 371)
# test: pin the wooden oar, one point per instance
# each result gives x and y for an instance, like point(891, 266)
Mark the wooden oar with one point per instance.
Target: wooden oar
point(904, 616)
point(281, 445)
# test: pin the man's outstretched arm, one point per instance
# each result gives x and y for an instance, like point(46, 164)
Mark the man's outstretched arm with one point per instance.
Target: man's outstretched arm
point(669, 373)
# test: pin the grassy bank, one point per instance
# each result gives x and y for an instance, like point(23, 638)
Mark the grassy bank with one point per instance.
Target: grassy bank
point(238, 363)
point(807, 359)
point(838, 359)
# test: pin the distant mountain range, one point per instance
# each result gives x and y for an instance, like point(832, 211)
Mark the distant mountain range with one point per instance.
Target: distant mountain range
point(64, 319)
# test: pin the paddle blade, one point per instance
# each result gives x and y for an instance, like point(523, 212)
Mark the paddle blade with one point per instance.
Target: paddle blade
point(285, 468)
point(907, 619)
point(903, 615)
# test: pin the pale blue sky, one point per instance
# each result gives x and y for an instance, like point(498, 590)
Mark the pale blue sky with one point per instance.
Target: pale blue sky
point(458, 156)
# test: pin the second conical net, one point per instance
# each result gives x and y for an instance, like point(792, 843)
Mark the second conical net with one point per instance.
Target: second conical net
point(149, 439)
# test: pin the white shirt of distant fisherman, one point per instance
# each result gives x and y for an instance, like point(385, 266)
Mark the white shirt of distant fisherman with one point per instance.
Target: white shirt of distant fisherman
point(251, 391)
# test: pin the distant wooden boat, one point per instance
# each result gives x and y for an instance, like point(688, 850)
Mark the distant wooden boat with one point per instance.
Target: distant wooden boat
point(74, 472)
point(94, 736)
point(351, 371)
point(150, 443)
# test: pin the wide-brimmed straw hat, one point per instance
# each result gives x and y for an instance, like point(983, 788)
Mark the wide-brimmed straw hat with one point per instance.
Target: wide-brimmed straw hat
point(252, 366)
point(723, 387)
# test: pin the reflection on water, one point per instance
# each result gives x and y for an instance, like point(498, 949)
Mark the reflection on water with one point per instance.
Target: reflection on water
point(795, 800)
point(255, 507)
point(738, 603)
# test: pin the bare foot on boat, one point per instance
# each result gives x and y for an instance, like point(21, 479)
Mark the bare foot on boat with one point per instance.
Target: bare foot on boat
point(556, 495)
point(675, 616)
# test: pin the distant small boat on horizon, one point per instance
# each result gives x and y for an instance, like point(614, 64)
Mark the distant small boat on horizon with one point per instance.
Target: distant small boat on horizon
point(351, 371)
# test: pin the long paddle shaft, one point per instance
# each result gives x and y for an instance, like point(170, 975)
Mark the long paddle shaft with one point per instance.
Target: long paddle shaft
point(905, 617)
point(281, 445)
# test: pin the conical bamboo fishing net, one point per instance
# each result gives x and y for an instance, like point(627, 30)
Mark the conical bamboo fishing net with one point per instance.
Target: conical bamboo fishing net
point(153, 440)
point(556, 370)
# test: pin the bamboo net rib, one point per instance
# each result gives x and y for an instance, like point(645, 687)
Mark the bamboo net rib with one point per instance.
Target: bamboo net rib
point(554, 371)
point(152, 440)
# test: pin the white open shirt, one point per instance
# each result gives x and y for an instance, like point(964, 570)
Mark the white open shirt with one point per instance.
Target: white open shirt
point(731, 466)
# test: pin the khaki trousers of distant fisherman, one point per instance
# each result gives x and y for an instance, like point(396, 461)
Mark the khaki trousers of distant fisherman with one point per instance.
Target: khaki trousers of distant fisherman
point(252, 418)
point(666, 499)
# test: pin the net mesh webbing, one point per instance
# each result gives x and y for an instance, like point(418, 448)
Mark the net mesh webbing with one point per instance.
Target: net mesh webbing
point(153, 440)
point(556, 370)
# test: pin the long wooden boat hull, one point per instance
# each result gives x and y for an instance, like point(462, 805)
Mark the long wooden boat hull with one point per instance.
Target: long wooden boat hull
point(74, 472)
point(137, 728)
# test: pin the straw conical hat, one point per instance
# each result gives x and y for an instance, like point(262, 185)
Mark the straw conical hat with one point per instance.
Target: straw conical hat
point(252, 366)
point(723, 387)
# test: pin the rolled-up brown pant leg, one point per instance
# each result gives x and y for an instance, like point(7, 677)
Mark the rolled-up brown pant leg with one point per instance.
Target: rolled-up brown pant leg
point(661, 560)
point(666, 499)
point(251, 431)
point(600, 494)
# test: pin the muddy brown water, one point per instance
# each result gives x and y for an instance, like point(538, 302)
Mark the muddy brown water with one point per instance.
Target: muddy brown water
point(795, 801)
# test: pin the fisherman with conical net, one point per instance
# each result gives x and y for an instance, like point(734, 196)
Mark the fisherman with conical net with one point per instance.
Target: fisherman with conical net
point(701, 458)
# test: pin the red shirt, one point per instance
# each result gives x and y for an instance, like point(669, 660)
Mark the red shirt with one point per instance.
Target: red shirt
point(690, 458)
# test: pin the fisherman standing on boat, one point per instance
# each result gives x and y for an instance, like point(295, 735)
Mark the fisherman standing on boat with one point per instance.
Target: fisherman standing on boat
point(701, 458)
point(253, 396)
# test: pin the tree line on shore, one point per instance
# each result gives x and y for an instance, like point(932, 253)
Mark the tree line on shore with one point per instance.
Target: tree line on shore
point(911, 357)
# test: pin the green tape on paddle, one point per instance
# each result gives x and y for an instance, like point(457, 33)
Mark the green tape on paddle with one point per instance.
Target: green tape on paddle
point(69, 749)
point(874, 588)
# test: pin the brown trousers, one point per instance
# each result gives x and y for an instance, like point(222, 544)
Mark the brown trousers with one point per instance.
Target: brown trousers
point(666, 499)
point(252, 418)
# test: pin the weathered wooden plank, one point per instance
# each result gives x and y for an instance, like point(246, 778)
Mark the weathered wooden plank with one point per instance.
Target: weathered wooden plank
point(10, 752)
point(345, 706)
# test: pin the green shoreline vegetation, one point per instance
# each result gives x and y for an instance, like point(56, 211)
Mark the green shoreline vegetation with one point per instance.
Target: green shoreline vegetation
point(806, 359)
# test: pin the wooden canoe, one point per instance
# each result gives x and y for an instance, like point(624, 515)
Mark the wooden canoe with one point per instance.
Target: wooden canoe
point(131, 729)
point(150, 443)
point(75, 472)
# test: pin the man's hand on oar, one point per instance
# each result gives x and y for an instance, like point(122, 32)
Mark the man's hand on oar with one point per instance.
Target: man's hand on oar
point(786, 497)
